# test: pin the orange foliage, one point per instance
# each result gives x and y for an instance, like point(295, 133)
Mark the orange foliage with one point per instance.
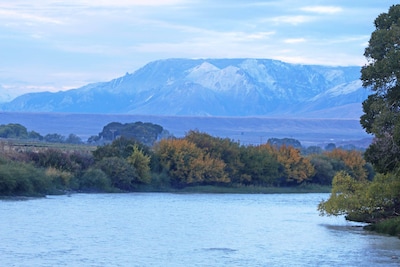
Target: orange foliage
point(188, 164)
point(353, 160)
point(297, 168)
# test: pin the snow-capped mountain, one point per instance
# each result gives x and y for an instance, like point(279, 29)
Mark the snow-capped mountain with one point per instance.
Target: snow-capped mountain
point(213, 87)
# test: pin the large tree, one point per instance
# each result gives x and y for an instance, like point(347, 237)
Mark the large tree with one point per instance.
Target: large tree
point(353, 195)
point(381, 75)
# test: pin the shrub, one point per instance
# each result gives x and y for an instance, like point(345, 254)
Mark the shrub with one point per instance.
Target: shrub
point(95, 180)
point(388, 226)
point(23, 179)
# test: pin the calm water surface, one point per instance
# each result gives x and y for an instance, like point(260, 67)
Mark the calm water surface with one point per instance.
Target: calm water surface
point(185, 230)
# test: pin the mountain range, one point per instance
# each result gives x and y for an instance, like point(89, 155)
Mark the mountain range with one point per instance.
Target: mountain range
point(212, 87)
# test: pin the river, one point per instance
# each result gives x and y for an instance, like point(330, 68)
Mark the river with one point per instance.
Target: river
point(162, 229)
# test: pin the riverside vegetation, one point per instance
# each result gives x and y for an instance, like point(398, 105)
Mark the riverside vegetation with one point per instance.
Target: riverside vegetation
point(32, 165)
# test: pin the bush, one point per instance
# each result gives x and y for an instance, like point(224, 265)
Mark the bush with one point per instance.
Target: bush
point(23, 179)
point(122, 174)
point(95, 180)
point(388, 226)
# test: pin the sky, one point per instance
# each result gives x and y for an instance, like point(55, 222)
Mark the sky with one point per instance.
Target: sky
point(53, 45)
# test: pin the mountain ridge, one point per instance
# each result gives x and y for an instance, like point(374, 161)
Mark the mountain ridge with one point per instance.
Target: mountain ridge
point(212, 87)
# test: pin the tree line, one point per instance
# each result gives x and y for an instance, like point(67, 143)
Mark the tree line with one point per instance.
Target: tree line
point(197, 159)
point(146, 133)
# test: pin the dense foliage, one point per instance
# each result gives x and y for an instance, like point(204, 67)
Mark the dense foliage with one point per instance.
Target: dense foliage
point(146, 133)
point(127, 164)
point(376, 201)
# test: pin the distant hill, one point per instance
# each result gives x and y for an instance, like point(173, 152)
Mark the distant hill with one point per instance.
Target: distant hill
point(246, 130)
point(213, 87)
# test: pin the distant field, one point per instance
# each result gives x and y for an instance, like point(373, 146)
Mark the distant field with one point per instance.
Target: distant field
point(27, 145)
point(247, 130)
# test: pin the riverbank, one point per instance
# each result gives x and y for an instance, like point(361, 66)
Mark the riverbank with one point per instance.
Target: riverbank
point(204, 189)
point(209, 189)
point(389, 227)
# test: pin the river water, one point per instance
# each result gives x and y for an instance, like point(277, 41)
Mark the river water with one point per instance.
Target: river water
point(161, 229)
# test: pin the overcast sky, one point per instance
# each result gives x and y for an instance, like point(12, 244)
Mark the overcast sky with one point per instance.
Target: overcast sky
point(56, 45)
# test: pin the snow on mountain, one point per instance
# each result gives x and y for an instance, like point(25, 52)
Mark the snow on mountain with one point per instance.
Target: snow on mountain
point(212, 87)
point(340, 90)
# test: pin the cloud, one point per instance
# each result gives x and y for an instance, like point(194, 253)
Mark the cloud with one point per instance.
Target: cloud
point(125, 3)
point(294, 40)
point(322, 9)
point(294, 20)
point(27, 17)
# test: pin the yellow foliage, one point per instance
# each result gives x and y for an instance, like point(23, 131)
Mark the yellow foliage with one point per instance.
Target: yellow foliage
point(54, 174)
point(297, 168)
point(353, 160)
point(188, 164)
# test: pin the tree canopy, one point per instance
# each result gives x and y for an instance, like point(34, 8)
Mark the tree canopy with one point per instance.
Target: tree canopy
point(352, 194)
point(382, 108)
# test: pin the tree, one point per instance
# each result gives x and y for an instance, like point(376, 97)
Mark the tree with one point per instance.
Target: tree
point(324, 169)
point(297, 169)
point(187, 164)
point(13, 130)
point(34, 135)
point(54, 138)
point(141, 163)
point(352, 160)
point(122, 174)
point(382, 75)
point(146, 133)
point(347, 197)
point(73, 139)
point(260, 166)
point(361, 199)
point(284, 142)
point(220, 149)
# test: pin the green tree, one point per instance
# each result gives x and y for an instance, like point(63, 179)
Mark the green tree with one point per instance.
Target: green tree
point(73, 139)
point(382, 75)
point(358, 198)
point(94, 180)
point(284, 142)
point(54, 138)
point(146, 133)
point(260, 166)
point(34, 135)
point(347, 197)
point(141, 162)
point(13, 130)
point(324, 169)
point(120, 147)
point(120, 172)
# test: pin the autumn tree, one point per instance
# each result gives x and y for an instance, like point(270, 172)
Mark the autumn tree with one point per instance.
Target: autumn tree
point(353, 161)
point(219, 148)
point(297, 168)
point(189, 165)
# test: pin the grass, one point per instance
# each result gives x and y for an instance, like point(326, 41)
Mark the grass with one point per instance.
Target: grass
point(389, 226)
point(32, 145)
